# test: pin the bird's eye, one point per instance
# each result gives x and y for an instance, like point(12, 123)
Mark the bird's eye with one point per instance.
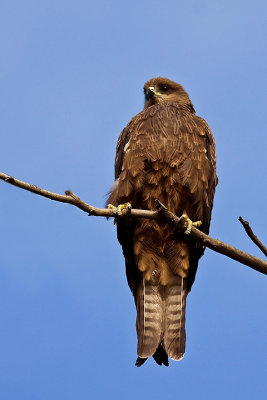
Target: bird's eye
point(164, 88)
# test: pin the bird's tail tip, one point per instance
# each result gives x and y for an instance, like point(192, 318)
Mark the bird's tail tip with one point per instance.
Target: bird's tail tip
point(177, 357)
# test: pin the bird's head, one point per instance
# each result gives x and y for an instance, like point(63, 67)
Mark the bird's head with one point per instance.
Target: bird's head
point(160, 89)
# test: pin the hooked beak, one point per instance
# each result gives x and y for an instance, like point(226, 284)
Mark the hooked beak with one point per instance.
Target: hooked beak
point(150, 92)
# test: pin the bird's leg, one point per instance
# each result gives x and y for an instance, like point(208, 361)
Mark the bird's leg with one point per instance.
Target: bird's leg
point(190, 223)
point(121, 207)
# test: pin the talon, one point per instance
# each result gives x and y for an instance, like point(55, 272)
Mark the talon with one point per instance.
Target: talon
point(125, 206)
point(121, 207)
point(189, 226)
point(190, 223)
point(197, 223)
point(110, 206)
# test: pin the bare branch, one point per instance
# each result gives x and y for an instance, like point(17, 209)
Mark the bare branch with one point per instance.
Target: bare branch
point(178, 223)
point(71, 198)
point(252, 236)
point(214, 244)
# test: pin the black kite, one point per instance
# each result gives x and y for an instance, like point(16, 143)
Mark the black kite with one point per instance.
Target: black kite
point(166, 152)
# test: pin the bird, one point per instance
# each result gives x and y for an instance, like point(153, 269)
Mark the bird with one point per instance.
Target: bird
point(165, 152)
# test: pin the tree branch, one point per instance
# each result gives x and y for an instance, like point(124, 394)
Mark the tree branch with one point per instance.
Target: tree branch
point(161, 213)
point(252, 236)
point(215, 244)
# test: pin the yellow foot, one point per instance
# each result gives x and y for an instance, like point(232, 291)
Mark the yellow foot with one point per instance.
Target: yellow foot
point(121, 207)
point(190, 223)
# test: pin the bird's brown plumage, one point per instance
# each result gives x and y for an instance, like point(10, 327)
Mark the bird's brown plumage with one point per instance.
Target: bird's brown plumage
point(166, 152)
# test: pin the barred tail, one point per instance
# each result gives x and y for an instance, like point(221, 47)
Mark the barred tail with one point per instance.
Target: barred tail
point(174, 321)
point(160, 322)
point(149, 320)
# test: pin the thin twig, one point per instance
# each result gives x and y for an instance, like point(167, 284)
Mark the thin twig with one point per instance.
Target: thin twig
point(252, 235)
point(162, 212)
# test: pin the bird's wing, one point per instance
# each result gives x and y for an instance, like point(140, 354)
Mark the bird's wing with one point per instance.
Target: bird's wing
point(212, 181)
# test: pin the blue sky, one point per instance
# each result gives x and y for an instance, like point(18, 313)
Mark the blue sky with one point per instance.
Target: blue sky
point(71, 76)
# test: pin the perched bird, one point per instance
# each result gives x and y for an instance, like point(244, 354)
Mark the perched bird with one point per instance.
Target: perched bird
point(165, 152)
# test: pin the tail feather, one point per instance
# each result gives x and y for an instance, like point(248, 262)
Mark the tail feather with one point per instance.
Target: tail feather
point(160, 320)
point(174, 321)
point(149, 318)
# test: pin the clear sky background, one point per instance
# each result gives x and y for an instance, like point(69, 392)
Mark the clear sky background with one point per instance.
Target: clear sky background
point(71, 76)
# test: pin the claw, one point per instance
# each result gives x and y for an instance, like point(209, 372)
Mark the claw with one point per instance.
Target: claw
point(125, 206)
point(190, 223)
point(111, 207)
point(121, 207)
